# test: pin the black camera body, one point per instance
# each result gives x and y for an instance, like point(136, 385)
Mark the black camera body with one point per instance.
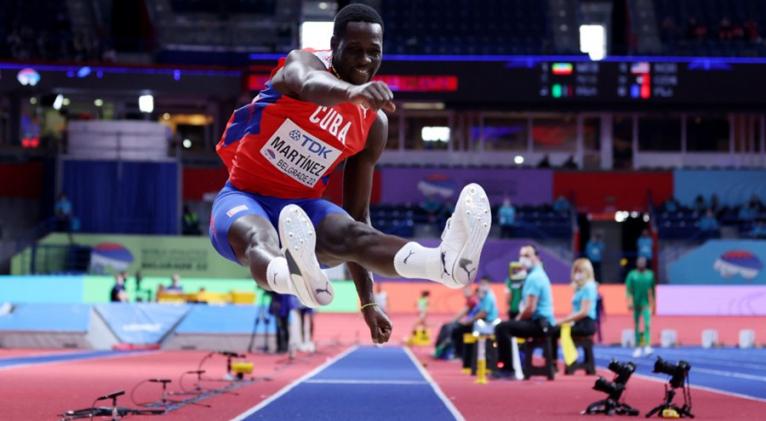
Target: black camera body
point(614, 389)
point(622, 370)
point(677, 372)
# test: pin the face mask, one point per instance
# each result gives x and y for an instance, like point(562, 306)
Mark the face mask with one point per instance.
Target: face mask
point(526, 262)
point(579, 276)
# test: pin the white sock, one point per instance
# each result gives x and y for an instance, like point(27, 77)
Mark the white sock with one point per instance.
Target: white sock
point(278, 276)
point(414, 261)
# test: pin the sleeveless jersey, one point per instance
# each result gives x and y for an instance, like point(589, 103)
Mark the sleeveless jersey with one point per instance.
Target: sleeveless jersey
point(282, 147)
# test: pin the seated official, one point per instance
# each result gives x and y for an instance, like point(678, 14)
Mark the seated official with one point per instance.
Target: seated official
point(485, 309)
point(536, 317)
point(584, 301)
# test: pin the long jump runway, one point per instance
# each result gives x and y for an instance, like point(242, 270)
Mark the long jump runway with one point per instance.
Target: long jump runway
point(365, 383)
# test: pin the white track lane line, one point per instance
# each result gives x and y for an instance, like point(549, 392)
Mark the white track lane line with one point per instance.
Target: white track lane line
point(292, 385)
point(458, 416)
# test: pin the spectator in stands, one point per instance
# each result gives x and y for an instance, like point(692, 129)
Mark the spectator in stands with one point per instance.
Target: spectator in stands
point(671, 205)
point(561, 205)
point(696, 30)
point(758, 230)
point(584, 299)
point(699, 204)
point(486, 309)
point(751, 31)
point(645, 246)
point(708, 224)
point(570, 163)
point(725, 29)
point(175, 285)
point(639, 292)
point(545, 162)
point(536, 317)
point(594, 251)
point(747, 212)
point(737, 32)
point(63, 213)
point(381, 297)
point(756, 203)
point(434, 208)
point(513, 287)
point(190, 225)
point(118, 293)
point(507, 217)
point(715, 204)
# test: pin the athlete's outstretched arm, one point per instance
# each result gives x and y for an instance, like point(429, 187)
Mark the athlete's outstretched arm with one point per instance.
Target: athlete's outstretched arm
point(305, 77)
point(357, 188)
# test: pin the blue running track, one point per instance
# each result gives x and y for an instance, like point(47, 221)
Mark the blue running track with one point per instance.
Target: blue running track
point(740, 372)
point(14, 362)
point(364, 384)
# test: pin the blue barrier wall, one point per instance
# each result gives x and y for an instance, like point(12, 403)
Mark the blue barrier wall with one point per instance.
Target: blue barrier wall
point(733, 187)
point(41, 289)
point(721, 262)
point(141, 323)
point(226, 320)
point(51, 317)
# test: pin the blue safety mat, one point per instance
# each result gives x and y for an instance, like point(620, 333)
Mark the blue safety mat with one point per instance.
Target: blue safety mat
point(48, 317)
point(233, 319)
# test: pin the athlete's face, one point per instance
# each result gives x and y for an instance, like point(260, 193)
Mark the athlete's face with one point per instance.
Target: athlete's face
point(357, 55)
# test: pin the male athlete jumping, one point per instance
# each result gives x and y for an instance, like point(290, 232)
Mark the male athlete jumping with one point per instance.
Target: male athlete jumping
point(318, 110)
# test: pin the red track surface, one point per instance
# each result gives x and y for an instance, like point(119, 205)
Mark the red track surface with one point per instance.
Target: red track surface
point(565, 397)
point(40, 392)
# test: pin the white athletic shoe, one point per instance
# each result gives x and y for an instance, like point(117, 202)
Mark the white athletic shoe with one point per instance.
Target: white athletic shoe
point(637, 353)
point(296, 231)
point(648, 351)
point(464, 236)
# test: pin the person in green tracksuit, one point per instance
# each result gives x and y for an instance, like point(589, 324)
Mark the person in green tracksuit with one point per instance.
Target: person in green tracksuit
point(513, 285)
point(639, 291)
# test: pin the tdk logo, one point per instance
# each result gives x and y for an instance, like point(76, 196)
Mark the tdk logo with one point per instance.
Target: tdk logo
point(313, 146)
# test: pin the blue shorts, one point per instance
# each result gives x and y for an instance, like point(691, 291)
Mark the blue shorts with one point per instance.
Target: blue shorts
point(232, 204)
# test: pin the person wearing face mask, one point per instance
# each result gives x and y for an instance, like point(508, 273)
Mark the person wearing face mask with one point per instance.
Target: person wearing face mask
point(584, 301)
point(536, 316)
point(639, 292)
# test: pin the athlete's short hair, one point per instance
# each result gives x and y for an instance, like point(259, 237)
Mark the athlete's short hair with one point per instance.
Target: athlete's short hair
point(355, 12)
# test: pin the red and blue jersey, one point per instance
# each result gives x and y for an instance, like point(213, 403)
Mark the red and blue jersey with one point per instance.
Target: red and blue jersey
point(282, 147)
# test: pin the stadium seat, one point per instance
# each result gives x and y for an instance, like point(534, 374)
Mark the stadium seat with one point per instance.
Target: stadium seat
point(548, 369)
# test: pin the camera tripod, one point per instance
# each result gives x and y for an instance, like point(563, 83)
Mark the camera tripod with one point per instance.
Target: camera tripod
point(670, 393)
point(610, 406)
point(165, 402)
